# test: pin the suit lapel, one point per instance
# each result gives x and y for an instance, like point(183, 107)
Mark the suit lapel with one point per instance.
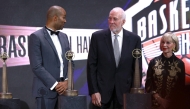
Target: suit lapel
point(62, 42)
point(48, 38)
point(108, 41)
point(125, 47)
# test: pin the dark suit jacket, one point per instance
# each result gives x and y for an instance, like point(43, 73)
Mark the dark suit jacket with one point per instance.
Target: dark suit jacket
point(45, 63)
point(102, 74)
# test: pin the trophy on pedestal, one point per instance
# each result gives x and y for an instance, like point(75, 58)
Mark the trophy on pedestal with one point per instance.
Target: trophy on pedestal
point(70, 91)
point(136, 53)
point(70, 98)
point(137, 99)
point(4, 94)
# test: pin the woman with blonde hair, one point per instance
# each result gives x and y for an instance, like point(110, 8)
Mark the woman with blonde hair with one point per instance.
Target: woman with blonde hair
point(166, 76)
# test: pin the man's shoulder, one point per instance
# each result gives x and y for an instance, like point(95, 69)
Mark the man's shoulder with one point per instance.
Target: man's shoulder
point(62, 33)
point(102, 31)
point(38, 31)
point(130, 33)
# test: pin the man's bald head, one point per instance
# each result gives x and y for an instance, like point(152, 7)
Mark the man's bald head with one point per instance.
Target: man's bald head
point(56, 18)
point(54, 11)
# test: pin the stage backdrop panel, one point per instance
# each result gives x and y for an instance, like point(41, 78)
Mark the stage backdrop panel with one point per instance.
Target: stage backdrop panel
point(149, 19)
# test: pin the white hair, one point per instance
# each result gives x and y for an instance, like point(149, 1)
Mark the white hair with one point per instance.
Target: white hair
point(122, 12)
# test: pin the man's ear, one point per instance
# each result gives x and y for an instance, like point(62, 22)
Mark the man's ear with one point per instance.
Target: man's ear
point(124, 22)
point(55, 18)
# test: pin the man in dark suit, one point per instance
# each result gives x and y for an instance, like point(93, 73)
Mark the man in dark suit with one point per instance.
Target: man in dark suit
point(47, 48)
point(109, 77)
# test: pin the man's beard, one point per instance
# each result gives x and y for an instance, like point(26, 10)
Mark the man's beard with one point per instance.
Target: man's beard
point(115, 30)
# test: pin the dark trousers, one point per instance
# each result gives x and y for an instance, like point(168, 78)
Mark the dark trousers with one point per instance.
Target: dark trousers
point(112, 104)
point(46, 103)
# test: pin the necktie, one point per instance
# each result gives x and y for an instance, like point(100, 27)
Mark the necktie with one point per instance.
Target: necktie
point(53, 32)
point(116, 50)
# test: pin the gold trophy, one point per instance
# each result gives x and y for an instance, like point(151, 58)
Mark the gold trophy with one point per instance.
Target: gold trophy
point(5, 94)
point(136, 53)
point(70, 91)
point(137, 97)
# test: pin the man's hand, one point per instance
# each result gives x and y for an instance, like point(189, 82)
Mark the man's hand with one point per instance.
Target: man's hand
point(96, 99)
point(61, 87)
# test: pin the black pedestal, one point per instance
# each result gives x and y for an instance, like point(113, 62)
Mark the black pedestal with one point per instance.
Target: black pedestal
point(13, 103)
point(137, 101)
point(72, 102)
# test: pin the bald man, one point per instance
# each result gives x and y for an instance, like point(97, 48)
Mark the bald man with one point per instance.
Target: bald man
point(110, 64)
point(47, 48)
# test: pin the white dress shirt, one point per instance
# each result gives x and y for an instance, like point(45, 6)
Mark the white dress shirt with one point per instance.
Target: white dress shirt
point(57, 45)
